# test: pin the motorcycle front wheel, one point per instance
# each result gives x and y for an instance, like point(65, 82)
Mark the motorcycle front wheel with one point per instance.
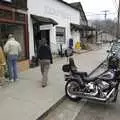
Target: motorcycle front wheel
point(71, 87)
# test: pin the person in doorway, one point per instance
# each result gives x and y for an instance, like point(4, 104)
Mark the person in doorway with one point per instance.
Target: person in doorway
point(2, 67)
point(12, 49)
point(45, 58)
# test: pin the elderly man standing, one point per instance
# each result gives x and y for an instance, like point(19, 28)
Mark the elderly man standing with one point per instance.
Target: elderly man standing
point(12, 49)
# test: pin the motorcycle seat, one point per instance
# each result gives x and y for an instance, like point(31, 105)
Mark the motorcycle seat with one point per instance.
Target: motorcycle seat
point(82, 74)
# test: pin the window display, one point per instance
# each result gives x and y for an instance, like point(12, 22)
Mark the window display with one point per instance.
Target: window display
point(60, 35)
point(17, 31)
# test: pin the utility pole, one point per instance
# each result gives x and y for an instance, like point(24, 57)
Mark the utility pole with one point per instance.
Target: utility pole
point(105, 16)
point(118, 21)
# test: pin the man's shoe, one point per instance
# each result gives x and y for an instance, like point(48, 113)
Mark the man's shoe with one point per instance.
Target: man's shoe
point(11, 80)
point(17, 79)
point(44, 86)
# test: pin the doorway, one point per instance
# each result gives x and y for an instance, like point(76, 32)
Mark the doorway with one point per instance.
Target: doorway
point(41, 35)
point(45, 34)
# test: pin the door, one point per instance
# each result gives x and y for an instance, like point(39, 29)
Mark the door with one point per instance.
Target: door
point(45, 34)
point(42, 34)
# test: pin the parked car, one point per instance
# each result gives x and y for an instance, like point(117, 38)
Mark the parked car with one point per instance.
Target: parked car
point(116, 48)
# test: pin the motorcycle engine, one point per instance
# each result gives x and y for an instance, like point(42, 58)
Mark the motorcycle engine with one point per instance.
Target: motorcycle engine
point(103, 85)
point(92, 89)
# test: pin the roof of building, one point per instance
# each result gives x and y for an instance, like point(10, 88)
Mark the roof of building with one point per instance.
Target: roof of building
point(81, 27)
point(78, 6)
point(44, 19)
point(67, 4)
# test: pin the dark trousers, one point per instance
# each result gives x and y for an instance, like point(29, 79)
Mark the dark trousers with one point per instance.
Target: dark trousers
point(44, 65)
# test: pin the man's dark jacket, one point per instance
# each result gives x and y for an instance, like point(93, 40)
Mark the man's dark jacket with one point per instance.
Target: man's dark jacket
point(44, 52)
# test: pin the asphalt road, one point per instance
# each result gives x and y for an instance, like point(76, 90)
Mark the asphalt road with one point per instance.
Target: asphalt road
point(99, 111)
point(86, 110)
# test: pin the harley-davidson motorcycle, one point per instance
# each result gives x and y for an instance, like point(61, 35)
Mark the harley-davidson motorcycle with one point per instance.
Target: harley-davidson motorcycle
point(103, 87)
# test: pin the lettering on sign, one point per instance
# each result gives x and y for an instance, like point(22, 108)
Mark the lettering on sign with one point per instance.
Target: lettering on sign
point(56, 12)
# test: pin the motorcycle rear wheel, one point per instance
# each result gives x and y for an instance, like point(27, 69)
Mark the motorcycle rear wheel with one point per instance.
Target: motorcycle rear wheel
point(72, 86)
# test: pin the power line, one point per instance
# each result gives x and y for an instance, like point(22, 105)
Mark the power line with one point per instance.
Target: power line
point(90, 14)
point(115, 4)
point(105, 13)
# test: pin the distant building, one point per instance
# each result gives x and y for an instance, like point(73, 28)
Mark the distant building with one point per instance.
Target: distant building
point(105, 37)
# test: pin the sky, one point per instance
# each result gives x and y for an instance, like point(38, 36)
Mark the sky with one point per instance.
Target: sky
point(94, 9)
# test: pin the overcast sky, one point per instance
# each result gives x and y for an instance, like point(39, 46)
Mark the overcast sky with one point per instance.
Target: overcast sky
point(94, 8)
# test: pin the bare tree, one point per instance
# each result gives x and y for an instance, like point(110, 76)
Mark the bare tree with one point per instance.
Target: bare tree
point(108, 26)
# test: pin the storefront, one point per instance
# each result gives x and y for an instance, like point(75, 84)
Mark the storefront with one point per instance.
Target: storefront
point(14, 21)
point(50, 19)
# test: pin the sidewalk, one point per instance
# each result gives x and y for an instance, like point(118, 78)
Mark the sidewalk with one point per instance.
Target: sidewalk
point(27, 100)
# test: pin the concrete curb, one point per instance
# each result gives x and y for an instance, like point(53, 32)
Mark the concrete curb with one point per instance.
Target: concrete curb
point(51, 108)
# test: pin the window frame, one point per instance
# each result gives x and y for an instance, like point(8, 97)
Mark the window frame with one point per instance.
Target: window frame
point(61, 34)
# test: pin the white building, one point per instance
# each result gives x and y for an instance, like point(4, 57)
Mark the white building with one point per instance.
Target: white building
point(105, 37)
point(51, 19)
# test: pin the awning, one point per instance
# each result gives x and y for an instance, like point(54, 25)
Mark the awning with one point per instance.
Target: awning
point(81, 27)
point(44, 20)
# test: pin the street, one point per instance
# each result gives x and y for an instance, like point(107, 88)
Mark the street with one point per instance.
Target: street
point(86, 110)
point(98, 111)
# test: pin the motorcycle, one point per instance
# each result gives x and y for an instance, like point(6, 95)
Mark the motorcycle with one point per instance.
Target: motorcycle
point(103, 87)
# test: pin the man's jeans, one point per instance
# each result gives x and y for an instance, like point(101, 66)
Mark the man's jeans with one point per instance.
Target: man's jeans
point(12, 66)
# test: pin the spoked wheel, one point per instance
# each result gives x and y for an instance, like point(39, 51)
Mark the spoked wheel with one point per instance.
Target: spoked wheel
point(71, 88)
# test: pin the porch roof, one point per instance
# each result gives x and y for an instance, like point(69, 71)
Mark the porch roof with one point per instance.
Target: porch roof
point(44, 20)
point(81, 27)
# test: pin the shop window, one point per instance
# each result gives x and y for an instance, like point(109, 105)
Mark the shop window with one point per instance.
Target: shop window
point(18, 32)
point(19, 17)
point(60, 35)
point(4, 14)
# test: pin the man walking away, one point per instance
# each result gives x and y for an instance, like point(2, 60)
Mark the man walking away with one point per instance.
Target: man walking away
point(2, 67)
point(12, 49)
point(45, 58)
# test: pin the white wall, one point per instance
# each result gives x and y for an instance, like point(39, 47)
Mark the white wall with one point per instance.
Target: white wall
point(31, 41)
point(60, 12)
point(76, 37)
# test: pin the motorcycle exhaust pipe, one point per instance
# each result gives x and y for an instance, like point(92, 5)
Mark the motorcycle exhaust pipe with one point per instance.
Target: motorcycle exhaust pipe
point(99, 99)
